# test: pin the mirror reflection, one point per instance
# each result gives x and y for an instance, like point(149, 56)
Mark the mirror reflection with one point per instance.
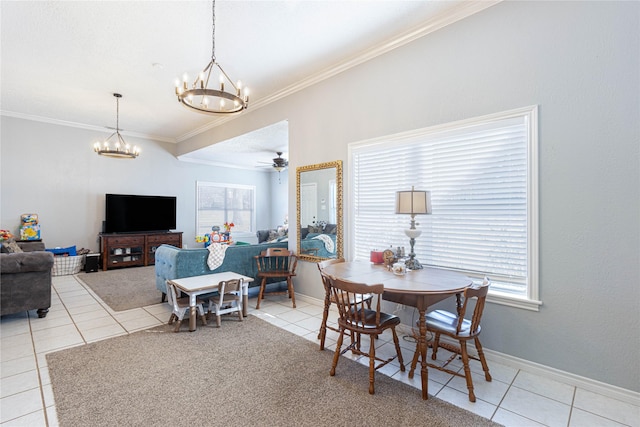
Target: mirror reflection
point(319, 203)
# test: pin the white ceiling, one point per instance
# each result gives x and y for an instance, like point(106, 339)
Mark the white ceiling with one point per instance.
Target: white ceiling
point(63, 60)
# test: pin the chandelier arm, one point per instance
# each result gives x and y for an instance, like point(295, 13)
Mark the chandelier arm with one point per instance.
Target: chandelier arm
point(123, 143)
point(226, 76)
point(204, 71)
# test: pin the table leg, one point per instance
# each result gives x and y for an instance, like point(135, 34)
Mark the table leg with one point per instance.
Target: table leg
point(422, 344)
point(245, 298)
point(245, 304)
point(192, 313)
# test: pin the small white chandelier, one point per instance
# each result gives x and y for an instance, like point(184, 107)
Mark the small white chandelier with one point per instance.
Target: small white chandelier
point(120, 148)
point(211, 100)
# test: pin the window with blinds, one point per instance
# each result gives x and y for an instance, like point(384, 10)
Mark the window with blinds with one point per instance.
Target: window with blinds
point(480, 176)
point(219, 203)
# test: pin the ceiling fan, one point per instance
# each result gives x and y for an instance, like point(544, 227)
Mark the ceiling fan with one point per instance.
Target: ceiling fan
point(279, 163)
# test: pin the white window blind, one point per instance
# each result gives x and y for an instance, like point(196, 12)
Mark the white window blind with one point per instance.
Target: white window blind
point(478, 175)
point(219, 203)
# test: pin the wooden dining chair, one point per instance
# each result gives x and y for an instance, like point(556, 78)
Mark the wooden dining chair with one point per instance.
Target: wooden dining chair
point(276, 263)
point(180, 307)
point(227, 300)
point(328, 299)
point(455, 326)
point(355, 317)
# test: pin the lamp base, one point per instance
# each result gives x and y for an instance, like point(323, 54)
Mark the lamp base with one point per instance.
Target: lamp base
point(413, 264)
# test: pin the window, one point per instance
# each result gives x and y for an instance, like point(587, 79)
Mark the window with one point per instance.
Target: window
point(220, 203)
point(482, 174)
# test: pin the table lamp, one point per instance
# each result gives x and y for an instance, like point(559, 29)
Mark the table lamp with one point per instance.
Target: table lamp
point(414, 202)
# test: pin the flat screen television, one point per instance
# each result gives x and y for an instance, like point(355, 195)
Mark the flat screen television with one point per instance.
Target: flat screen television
point(126, 213)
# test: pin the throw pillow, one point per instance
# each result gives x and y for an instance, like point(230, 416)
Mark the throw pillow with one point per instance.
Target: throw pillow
point(70, 251)
point(263, 235)
point(313, 229)
point(330, 228)
point(12, 248)
point(303, 233)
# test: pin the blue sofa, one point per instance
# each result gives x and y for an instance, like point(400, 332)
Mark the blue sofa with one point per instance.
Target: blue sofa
point(176, 263)
point(311, 245)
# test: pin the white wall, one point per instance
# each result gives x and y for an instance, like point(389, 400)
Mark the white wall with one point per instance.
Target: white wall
point(52, 170)
point(579, 61)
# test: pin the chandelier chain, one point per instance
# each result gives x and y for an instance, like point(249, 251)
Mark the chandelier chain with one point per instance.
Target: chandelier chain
point(117, 114)
point(213, 32)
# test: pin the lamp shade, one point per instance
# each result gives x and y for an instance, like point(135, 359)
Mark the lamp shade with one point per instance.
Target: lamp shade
point(414, 202)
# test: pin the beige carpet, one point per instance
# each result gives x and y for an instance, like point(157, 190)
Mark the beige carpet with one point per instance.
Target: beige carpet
point(247, 373)
point(124, 288)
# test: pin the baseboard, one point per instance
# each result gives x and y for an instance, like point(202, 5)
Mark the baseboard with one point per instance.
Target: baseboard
point(584, 383)
point(604, 389)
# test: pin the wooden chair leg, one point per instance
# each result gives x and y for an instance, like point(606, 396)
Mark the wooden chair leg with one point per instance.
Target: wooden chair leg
point(414, 362)
point(292, 293)
point(177, 327)
point(336, 354)
point(398, 350)
point(436, 343)
point(323, 326)
point(483, 361)
point(261, 293)
point(372, 365)
point(204, 319)
point(467, 371)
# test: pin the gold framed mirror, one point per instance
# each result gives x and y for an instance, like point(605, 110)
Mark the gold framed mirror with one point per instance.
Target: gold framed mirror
point(319, 211)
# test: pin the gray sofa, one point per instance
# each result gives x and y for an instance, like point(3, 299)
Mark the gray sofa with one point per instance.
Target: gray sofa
point(176, 263)
point(25, 279)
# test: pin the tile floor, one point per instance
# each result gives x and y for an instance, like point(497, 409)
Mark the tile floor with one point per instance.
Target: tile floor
point(77, 316)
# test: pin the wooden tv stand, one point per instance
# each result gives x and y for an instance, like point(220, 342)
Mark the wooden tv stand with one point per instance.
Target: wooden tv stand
point(134, 249)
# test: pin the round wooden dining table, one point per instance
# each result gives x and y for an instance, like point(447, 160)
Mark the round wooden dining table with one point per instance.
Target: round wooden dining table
point(417, 288)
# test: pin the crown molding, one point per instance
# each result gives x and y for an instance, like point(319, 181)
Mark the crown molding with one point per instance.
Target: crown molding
point(84, 126)
point(442, 20)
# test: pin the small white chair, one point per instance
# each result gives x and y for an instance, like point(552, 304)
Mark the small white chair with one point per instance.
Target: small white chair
point(180, 307)
point(228, 300)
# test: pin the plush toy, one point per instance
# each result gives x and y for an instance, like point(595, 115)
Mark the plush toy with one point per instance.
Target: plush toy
point(5, 235)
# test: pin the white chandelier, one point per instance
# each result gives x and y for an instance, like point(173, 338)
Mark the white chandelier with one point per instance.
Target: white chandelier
point(214, 100)
point(120, 148)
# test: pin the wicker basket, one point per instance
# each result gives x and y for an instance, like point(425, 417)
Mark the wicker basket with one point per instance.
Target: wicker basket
point(65, 265)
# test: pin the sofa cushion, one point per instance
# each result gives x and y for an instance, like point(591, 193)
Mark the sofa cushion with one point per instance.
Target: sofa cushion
point(31, 246)
point(11, 248)
point(26, 262)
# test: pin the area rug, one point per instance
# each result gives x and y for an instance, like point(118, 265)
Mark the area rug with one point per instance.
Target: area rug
point(124, 288)
point(243, 373)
